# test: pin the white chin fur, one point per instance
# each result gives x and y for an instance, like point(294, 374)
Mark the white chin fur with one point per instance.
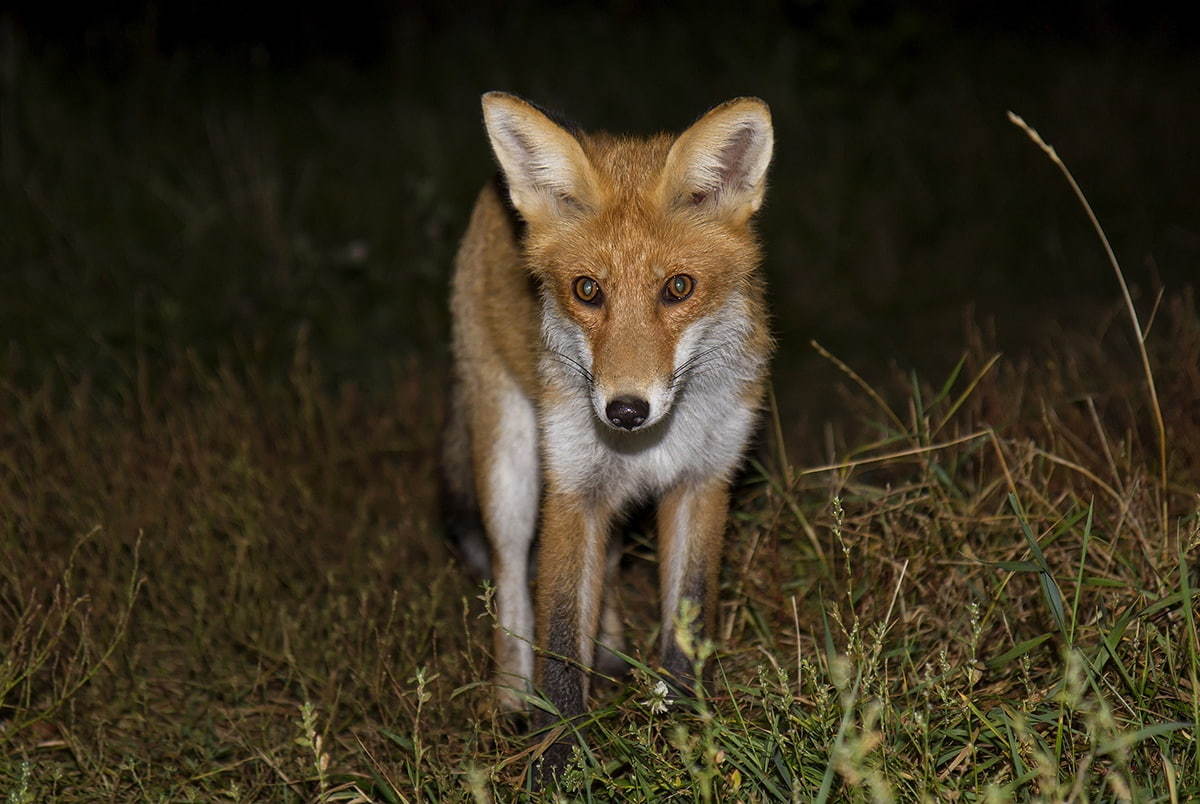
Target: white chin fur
point(697, 427)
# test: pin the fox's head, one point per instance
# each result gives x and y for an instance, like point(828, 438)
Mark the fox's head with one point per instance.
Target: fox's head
point(643, 248)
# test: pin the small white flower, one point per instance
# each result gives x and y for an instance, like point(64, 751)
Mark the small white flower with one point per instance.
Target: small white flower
point(658, 700)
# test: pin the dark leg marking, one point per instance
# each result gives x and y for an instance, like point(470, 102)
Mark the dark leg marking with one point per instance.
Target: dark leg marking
point(674, 660)
point(562, 684)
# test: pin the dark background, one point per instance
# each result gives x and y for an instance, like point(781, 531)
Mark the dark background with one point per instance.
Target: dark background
point(367, 34)
point(227, 181)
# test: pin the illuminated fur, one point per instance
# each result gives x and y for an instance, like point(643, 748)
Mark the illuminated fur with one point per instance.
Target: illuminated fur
point(539, 368)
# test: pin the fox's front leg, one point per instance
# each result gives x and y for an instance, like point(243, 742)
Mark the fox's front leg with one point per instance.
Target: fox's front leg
point(570, 581)
point(508, 487)
point(691, 530)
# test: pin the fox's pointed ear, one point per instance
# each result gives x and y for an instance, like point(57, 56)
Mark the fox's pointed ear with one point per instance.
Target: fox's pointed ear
point(547, 172)
point(720, 163)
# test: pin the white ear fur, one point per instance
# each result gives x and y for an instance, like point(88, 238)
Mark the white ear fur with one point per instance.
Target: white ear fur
point(545, 166)
point(721, 162)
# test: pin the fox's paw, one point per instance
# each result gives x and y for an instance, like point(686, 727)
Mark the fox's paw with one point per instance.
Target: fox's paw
point(610, 664)
point(510, 695)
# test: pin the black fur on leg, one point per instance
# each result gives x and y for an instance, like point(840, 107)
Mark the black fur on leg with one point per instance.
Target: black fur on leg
point(562, 687)
point(548, 769)
point(562, 679)
point(464, 530)
point(562, 683)
point(456, 494)
point(682, 669)
point(610, 664)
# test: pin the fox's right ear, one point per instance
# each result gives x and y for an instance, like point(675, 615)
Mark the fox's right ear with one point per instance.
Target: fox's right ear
point(548, 173)
point(720, 163)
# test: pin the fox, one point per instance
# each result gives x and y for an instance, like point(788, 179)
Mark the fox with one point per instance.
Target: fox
point(610, 347)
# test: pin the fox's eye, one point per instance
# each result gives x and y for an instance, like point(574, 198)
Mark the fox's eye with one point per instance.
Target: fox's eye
point(678, 288)
point(587, 290)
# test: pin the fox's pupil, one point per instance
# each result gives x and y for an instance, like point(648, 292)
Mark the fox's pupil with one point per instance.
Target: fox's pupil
point(586, 289)
point(678, 288)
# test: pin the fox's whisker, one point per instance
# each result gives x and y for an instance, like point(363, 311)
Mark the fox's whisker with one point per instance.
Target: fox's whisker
point(572, 364)
point(707, 359)
point(698, 369)
point(696, 359)
point(698, 356)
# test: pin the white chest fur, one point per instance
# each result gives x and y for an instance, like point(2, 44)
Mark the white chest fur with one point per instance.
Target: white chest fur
point(703, 435)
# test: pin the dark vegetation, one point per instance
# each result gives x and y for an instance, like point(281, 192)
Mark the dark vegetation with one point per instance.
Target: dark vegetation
point(222, 331)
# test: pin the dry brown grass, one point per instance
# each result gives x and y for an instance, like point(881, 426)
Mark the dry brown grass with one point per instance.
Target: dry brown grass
point(191, 562)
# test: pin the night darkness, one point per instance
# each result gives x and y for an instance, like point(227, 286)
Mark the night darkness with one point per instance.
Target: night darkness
point(900, 195)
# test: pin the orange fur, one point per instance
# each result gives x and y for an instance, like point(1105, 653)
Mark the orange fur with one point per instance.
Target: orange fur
point(582, 405)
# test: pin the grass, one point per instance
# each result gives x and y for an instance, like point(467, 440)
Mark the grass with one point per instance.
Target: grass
point(222, 577)
point(239, 590)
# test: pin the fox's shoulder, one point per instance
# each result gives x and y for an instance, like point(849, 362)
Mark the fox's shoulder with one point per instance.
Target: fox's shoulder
point(495, 229)
point(494, 297)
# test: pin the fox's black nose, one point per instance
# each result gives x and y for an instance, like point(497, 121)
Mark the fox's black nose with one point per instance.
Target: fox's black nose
point(627, 412)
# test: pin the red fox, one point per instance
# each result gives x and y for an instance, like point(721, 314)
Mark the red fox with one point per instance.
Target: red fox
point(610, 345)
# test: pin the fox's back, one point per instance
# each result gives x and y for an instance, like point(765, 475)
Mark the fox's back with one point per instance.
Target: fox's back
point(494, 299)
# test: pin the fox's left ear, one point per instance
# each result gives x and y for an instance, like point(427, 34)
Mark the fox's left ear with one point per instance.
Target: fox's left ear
point(720, 163)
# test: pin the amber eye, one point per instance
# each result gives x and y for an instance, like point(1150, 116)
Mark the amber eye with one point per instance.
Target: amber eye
point(678, 288)
point(587, 290)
